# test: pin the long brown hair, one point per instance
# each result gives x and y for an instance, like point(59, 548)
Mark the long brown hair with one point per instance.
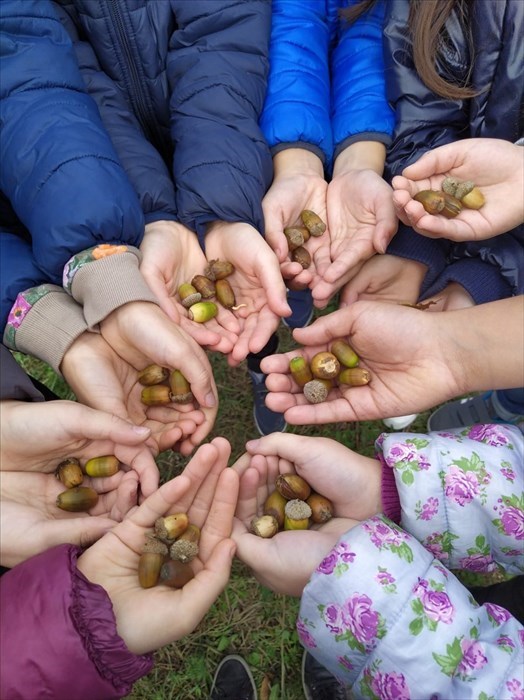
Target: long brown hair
point(427, 19)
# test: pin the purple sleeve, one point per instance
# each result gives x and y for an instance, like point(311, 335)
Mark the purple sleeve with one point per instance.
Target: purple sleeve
point(58, 633)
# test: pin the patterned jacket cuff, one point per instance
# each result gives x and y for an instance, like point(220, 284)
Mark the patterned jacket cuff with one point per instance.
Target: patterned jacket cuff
point(44, 322)
point(104, 278)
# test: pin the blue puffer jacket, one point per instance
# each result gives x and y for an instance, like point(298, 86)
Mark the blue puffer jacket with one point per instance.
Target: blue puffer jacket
point(169, 89)
point(326, 85)
point(490, 269)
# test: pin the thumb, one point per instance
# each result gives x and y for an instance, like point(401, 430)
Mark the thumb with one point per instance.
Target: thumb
point(439, 160)
point(80, 531)
point(286, 445)
point(93, 424)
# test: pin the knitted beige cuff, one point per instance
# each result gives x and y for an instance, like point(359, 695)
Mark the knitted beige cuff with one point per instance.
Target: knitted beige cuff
point(101, 286)
point(49, 327)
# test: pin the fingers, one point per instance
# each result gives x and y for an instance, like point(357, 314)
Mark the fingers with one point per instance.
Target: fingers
point(323, 330)
point(159, 503)
point(286, 445)
point(268, 272)
point(144, 465)
point(218, 523)
point(82, 531)
point(439, 160)
point(82, 421)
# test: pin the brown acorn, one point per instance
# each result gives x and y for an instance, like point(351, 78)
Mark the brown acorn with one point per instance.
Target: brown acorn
point(78, 499)
point(204, 285)
point(474, 199)
point(321, 508)
point(300, 370)
point(189, 295)
point(171, 526)
point(175, 574)
point(354, 376)
point(292, 486)
point(183, 550)
point(435, 202)
point(219, 269)
point(203, 311)
point(152, 374)
point(274, 505)
point(313, 222)
point(180, 388)
point(69, 472)
point(297, 514)
point(159, 395)
point(324, 365)
point(316, 390)
point(344, 353)
point(302, 256)
point(264, 526)
point(294, 236)
point(149, 565)
point(102, 466)
point(225, 294)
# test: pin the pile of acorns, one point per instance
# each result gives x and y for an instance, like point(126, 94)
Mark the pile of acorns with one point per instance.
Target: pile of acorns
point(163, 386)
point(325, 369)
point(196, 295)
point(296, 236)
point(76, 498)
point(291, 506)
point(168, 551)
point(455, 194)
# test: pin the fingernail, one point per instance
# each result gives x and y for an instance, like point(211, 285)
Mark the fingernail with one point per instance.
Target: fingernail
point(210, 400)
point(141, 430)
point(252, 445)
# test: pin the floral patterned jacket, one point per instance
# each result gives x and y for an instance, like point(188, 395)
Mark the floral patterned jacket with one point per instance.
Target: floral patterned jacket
point(383, 611)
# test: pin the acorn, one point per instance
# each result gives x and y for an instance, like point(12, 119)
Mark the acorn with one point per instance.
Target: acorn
point(158, 395)
point(297, 514)
point(204, 285)
point(294, 236)
point(300, 370)
point(152, 374)
point(185, 549)
point(171, 526)
point(321, 508)
point(69, 472)
point(449, 185)
point(463, 188)
point(435, 202)
point(203, 311)
point(77, 499)
point(325, 365)
point(313, 222)
point(264, 526)
point(225, 294)
point(149, 565)
point(189, 295)
point(316, 390)
point(175, 574)
point(302, 256)
point(292, 486)
point(474, 199)
point(180, 388)
point(219, 269)
point(344, 353)
point(274, 505)
point(102, 466)
point(354, 376)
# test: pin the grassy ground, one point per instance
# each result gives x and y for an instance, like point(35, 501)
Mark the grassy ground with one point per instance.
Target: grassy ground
point(247, 619)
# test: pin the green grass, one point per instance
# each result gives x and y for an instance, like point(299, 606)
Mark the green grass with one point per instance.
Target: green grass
point(247, 619)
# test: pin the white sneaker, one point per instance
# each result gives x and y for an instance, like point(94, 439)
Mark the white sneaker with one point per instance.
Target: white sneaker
point(399, 422)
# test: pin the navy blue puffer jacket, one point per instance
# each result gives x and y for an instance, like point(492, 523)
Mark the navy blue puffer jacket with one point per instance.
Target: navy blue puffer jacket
point(153, 113)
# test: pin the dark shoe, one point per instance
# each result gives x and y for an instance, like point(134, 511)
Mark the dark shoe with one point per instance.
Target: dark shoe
point(266, 421)
point(318, 683)
point(233, 680)
point(301, 304)
point(466, 412)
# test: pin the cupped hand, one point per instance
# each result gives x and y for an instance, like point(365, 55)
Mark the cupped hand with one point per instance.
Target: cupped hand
point(256, 282)
point(414, 360)
point(141, 333)
point(150, 618)
point(494, 165)
point(100, 378)
point(284, 563)
point(171, 256)
point(31, 522)
point(362, 222)
point(385, 278)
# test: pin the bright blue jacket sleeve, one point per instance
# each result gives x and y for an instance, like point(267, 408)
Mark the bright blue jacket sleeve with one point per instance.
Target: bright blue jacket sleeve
point(297, 106)
point(59, 168)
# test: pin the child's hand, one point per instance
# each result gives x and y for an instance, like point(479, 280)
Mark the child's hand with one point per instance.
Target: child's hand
point(31, 522)
point(285, 562)
point(150, 618)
